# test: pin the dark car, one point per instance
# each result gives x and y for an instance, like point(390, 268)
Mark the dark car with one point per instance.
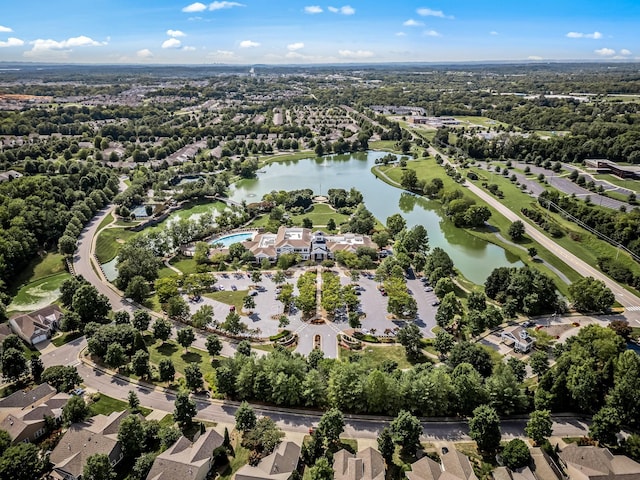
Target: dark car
point(436, 303)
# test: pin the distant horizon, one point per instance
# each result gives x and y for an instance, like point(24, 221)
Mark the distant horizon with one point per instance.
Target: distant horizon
point(248, 32)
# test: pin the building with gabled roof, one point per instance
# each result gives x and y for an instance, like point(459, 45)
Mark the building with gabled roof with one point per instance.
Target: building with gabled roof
point(98, 435)
point(518, 337)
point(367, 464)
point(455, 466)
point(187, 460)
point(595, 463)
point(22, 414)
point(36, 327)
point(276, 466)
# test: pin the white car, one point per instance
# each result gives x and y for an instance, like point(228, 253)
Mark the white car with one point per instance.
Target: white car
point(428, 289)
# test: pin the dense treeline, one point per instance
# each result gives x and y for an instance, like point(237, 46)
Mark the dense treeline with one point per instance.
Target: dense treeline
point(36, 212)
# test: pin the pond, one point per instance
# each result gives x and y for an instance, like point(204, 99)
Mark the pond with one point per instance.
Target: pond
point(474, 257)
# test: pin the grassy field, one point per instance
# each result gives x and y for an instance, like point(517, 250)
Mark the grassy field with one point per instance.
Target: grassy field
point(375, 356)
point(109, 241)
point(229, 297)
point(186, 265)
point(65, 337)
point(38, 294)
point(175, 352)
point(106, 405)
point(384, 145)
point(106, 221)
point(620, 182)
point(481, 121)
point(39, 268)
point(240, 458)
point(320, 214)
point(284, 157)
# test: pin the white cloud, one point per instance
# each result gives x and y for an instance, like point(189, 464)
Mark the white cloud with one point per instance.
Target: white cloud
point(223, 5)
point(432, 33)
point(222, 54)
point(355, 54)
point(12, 42)
point(48, 44)
point(605, 52)
point(295, 46)
point(176, 33)
point(413, 23)
point(195, 7)
point(144, 53)
point(4, 29)
point(401, 34)
point(624, 51)
point(248, 44)
point(493, 32)
point(427, 12)
point(594, 35)
point(346, 10)
point(171, 43)
point(295, 55)
point(534, 57)
point(312, 9)
point(188, 48)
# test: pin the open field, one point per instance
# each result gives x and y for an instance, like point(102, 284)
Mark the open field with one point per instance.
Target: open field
point(229, 297)
point(109, 241)
point(633, 185)
point(375, 356)
point(176, 353)
point(320, 214)
point(38, 294)
point(480, 121)
point(186, 265)
point(106, 405)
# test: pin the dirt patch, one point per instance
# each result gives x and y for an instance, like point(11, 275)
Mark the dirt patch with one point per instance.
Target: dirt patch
point(557, 330)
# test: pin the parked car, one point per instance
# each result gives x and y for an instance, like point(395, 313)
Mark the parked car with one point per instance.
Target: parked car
point(234, 288)
point(253, 293)
point(436, 303)
point(428, 289)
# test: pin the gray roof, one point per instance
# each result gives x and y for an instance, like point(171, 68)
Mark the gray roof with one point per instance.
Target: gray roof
point(24, 398)
point(277, 466)
point(367, 464)
point(600, 463)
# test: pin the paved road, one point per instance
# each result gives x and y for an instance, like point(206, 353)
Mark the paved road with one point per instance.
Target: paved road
point(290, 420)
point(624, 297)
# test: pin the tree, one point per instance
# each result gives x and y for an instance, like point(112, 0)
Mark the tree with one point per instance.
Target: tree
point(409, 180)
point(141, 320)
point(264, 437)
point(193, 377)
point(76, 410)
point(539, 427)
point(140, 364)
point(331, 425)
point(115, 356)
point(142, 466)
point(321, 470)
point(137, 289)
point(539, 362)
point(244, 348)
point(67, 245)
point(121, 317)
point(161, 330)
point(516, 454)
point(177, 308)
point(186, 337)
point(516, 230)
point(21, 462)
point(184, 410)
point(532, 251)
point(245, 417)
point(202, 317)
point(91, 305)
point(443, 343)
point(14, 364)
point(605, 425)
point(410, 338)
point(5, 441)
point(331, 225)
point(166, 370)
point(248, 302)
point(201, 253)
point(131, 435)
point(406, 430)
point(518, 367)
point(232, 324)
point(484, 428)
point(214, 345)
point(62, 378)
point(98, 467)
point(133, 401)
point(385, 444)
point(622, 328)
point(591, 295)
point(469, 388)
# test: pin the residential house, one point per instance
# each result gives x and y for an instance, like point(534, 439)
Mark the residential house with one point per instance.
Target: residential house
point(544, 467)
point(277, 466)
point(22, 414)
point(36, 327)
point(84, 439)
point(595, 463)
point(187, 460)
point(517, 337)
point(504, 473)
point(454, 466)
point(9, 175)
point(367, 464)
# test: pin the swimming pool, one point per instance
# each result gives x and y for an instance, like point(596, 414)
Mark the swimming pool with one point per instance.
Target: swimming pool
point(227, 240)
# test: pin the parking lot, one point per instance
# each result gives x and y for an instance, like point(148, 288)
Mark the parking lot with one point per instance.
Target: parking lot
point(263, 322)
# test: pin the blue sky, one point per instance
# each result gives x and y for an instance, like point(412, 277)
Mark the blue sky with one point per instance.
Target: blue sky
point(300, 31)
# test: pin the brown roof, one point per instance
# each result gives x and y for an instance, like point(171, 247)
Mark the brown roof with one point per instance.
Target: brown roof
point(23, 423)
point(458, 464)
point(81, 440)
point(367, 464)
point(186, 460)
point(277, 466)
point(599, 463)
point(25, 398)
point(543, 466)
point(455, 466)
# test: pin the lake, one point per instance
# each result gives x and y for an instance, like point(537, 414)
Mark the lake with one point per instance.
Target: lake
point(474, 257)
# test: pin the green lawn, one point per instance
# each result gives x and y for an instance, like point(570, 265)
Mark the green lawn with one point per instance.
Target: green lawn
point(65, 337)
point(188, 211)
point(285, 156)
point(375, 355)
point(106, 221)
point(106, 405)
point(239, 459)
point(175, 352)
point(384, 145)
point(481, 121)
point(229, 297)
point(186, 265)
point(630, 184)
point(38, 294)
point(109, 241)
point(320, 214)
point(40, 267)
